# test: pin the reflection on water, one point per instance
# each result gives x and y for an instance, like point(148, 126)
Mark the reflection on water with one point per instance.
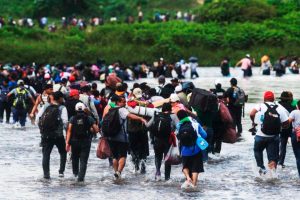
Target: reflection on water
point(230, 177)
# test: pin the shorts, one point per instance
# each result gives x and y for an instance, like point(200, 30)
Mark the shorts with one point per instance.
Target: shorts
point(193, 163)
point(118, 149)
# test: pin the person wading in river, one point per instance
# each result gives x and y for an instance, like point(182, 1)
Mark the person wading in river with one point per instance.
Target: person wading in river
point(272, 118)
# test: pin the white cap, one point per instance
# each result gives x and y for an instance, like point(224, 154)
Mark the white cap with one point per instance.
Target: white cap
point(20, 82)
point(174, 98)
point(248, 55)
point(137, 92)
point(79, 107)
point(178, 88)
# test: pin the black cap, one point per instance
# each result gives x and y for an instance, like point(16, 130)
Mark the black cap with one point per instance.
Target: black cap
point(48, 86)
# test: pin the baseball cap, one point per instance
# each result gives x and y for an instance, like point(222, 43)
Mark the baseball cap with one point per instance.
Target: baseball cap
point(74, 92)
point(20, 82)
point(178, 88)
point(72, 78)
point(80, 106)
point(269, 96)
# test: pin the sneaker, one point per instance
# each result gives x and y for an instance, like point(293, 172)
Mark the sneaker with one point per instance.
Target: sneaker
point(187, 185)
point(273, 174)
point(143, 167)
point(262, 171)
point(61, 175)
point(280, 166)
point(157, 176)
point(117, 175)
point(47, 177)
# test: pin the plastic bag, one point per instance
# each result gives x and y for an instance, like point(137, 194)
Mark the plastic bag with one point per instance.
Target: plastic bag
point(173, 156)
point(103, 149)
point(202, 143)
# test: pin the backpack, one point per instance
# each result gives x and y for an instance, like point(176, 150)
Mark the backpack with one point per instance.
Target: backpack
point(203, 100)
point(3, 94)
point(239, 96)
point(20, 101)
point(187, 134)
point(50, 120)
point(162, 125)
point(81, 126)
point(271, 123)
point(111, 125)
point(278, 66)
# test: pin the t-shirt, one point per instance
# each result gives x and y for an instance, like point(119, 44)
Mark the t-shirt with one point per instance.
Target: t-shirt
point(262, 108)
point(295, 115)
point(90, 121)
point(246, 62)
point(122, 136)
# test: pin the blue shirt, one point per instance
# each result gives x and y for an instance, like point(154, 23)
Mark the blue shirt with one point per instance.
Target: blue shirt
point(192, 150)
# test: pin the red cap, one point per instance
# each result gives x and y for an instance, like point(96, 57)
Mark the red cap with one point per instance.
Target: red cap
point(269, 96)
point(72, 78)
point(73, 93)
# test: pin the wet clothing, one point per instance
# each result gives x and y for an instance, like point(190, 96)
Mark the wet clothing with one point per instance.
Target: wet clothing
point(47, 146)
point(193, 163)
point(235, 111)
point(271, 144)
point(5, 103)
point(70, 105)
point(295, 115)
point(285, 133)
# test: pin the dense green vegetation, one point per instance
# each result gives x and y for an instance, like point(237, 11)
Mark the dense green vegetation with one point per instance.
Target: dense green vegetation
point(269, 27)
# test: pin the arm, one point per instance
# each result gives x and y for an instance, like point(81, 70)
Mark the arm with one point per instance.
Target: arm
point(95, 128)
point(238, 63)
point(285, 124)
point(149, 123)
point(135, 117)
point(252, 115)
point(36, 103)
point(64, 116)
point(68, 137)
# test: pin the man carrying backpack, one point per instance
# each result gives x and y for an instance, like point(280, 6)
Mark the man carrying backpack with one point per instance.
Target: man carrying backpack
point(272, 118)
point(79, 137)
point(236, 99)
point(188, 132)
point(21, 94)
point(114, 127)
point(5, 103)
point(52, 119)
point(161, 126)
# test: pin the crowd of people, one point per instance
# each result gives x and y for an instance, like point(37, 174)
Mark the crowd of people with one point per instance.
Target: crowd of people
point(171, 116)
point(82, 23)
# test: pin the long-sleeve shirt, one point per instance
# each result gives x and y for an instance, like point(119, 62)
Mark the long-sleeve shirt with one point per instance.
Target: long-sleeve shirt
point(89, 102)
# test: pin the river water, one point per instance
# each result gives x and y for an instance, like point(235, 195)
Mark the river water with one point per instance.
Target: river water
point(232, 176)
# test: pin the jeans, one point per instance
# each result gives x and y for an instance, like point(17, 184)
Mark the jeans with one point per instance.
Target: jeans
point(80, 155)
point(194, 73)
point(236, 113)
point(282, 147)
point(296, 149)
point(47, 144)
point(19, 116)
point(161, 149)
point(271, 144)
point(7, 107)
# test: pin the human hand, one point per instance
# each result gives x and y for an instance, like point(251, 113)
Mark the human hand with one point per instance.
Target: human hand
point(68, 147)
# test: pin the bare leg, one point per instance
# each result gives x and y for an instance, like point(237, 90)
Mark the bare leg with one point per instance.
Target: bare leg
point(115, 164)
point(121, 164)
point(195, 178)
point(186, 173)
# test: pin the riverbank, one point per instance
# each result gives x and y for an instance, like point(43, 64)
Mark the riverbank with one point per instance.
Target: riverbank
point(210, 42)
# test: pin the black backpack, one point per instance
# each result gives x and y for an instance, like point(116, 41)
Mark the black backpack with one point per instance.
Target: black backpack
point(161, 127)
point(81, 126)
point(187, 134)
point(49, 121)
point(239, 96)
point(271, 124)
point(203, 100)
point(111, 125)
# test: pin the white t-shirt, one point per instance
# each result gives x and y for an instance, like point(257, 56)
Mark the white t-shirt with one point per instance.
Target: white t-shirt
point(295, 115)
point(262, 108)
